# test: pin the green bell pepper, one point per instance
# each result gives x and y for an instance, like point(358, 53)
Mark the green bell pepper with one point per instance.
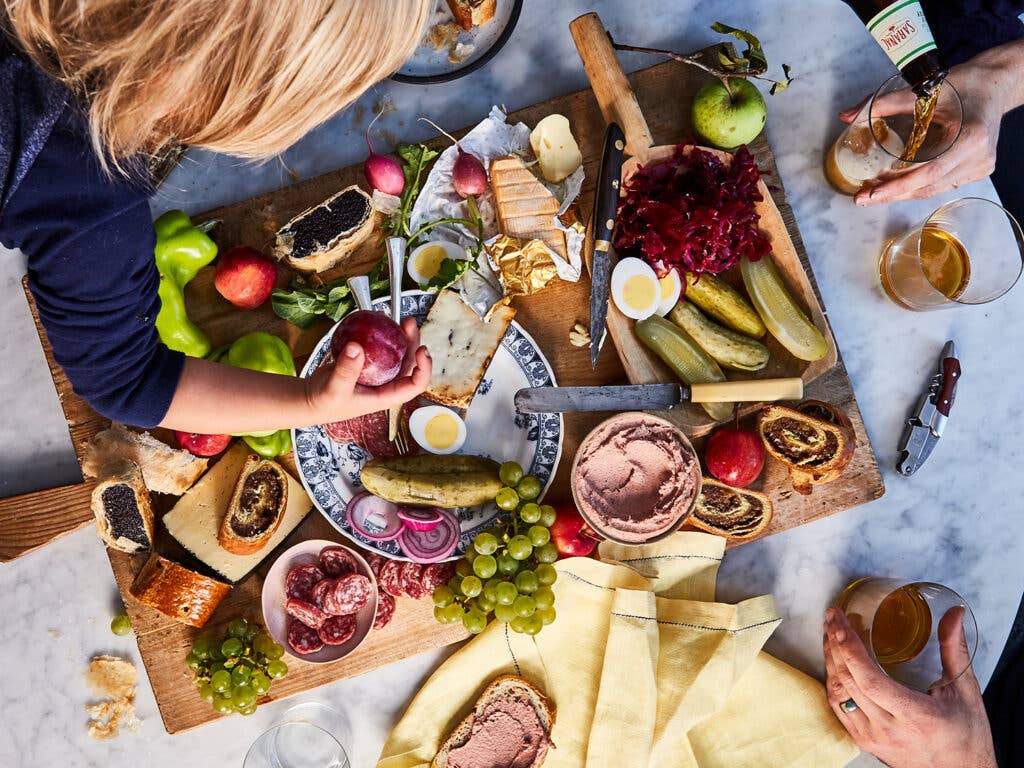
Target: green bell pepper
point(181, 251)
point(264, 352)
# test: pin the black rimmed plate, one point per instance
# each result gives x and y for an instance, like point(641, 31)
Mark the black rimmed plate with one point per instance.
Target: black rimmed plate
point(430, 65)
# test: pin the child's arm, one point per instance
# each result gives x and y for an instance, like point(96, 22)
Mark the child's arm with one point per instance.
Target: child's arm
point(219, 399)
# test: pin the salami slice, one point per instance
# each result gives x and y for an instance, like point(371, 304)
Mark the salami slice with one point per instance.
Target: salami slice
point(319, 592)
point(300, 581)
point(390, 578)
point(337, 561)
point(411, 573)
point(305, 612)
point(338, 629)
point(343, 431)
point(436, 574)
point(303, 639)
point(385, 610)
point(349, 594)
point(376, 562)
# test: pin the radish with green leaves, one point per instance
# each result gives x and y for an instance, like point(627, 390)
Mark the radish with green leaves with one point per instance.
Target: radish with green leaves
point(383, 172)
point(469, 177)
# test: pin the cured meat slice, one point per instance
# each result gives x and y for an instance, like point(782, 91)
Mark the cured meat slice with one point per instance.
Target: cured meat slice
point(319, 591)
point(343, 431)
point(300, 581)
point(376, 562)
point(305, 612)
point(390, 578)
point(436, 574)
point(349, 594)
point(338, 629)
point(411, 586)
point(337, 561)
point(303, 639)
point(370, 432)
point(385, 610)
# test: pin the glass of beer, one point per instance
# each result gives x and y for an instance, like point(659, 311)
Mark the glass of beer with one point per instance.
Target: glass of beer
point(898, 622)
point(893, 132)
point(969, 251)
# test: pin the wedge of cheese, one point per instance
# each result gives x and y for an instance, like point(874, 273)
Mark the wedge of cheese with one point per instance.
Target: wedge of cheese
point(461, 346)
point(557, 152)
point(526, 209)
point(196, 518)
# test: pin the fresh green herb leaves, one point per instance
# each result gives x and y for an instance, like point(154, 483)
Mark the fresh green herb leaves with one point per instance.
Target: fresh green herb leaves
point(302, 304)
point(450, 271)
point(415, 159)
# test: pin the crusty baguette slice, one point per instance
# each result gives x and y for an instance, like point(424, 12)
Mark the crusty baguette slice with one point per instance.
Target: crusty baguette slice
point(470, 13)
point(525, 207)
point(164, 469)
point(256, 508)
point(815, 441)
point(506, 686)
point(736, 513)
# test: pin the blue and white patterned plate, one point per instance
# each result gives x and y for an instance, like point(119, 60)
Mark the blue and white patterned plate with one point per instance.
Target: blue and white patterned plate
point(330, 471)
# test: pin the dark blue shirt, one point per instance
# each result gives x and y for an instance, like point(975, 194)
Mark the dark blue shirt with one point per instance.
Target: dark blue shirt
point(89, 243)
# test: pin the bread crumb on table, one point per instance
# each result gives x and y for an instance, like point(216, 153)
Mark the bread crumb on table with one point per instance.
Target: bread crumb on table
point(113, 679)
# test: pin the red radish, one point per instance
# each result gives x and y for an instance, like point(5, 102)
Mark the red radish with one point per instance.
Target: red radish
point(383, 172)
point(373, 518)
point(468, 174)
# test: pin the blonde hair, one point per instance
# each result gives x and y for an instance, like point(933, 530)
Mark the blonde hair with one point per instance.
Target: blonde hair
point(243, 77)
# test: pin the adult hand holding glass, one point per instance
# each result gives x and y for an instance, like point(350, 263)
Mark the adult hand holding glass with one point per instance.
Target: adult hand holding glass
point(945, 728)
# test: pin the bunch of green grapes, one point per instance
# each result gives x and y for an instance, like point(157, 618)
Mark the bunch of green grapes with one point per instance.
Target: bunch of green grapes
point(233, 671)
point(509, 569)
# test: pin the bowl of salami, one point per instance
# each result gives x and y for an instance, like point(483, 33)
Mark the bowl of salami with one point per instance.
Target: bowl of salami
point(319, 600)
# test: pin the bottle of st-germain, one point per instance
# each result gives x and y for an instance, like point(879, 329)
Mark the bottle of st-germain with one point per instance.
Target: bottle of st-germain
point(901, 29)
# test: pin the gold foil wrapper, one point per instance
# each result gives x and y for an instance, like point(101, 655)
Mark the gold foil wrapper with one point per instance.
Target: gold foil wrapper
point(524, 267)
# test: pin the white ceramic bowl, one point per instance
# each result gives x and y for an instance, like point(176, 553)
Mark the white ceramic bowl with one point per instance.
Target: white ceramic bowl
point(274, 594)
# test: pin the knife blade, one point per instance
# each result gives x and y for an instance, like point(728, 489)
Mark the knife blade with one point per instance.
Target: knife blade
point(653, 397)
point(924, 427)
point(606, 206)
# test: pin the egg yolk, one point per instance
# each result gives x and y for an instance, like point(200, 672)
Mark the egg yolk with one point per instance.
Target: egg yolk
point(428, 261)
point(668, 285)
point(638, 292)
point(441, 431)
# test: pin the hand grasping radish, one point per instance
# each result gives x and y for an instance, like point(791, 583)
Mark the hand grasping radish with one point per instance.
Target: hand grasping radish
point(383, 172)
point(468, 174)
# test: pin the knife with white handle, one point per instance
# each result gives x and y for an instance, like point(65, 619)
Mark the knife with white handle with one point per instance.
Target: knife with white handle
point(654, 397)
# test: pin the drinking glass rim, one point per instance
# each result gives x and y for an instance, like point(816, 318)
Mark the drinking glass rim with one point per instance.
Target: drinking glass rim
point(871, 126)
point(968, 611)
point(1018, 234)
point(292, 724)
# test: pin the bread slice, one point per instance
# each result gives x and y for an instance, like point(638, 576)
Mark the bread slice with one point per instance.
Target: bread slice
point(507, 688)
point(461, 346)
point(736, 513)
point(815, 441)
point(178, 592)
point(525, 207)
point(472, 13)
point(124, 516)
point(164, 469)
point(256, 508)
point(320, 236)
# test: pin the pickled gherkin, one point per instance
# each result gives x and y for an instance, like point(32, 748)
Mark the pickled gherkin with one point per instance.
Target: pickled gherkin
point(684, 356)
point(784, 318)
point(721, 302)
point(728, 348)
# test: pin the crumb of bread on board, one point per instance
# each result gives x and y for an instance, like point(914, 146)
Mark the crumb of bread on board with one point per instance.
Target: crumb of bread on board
point(579, 336)
point(54, 633)
point(113, 679)
point(444, 35)
point(459, 52)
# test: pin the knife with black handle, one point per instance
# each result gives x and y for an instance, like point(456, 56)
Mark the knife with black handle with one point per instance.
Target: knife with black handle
point(606, 206)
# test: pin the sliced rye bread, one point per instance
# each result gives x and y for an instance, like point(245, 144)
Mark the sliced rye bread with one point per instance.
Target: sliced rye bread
point(510, 686)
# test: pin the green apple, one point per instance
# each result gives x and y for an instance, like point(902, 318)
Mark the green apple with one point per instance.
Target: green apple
point(727, 121)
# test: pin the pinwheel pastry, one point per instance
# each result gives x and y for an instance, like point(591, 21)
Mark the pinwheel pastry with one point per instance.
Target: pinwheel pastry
point(815, 441)
point(736, 513)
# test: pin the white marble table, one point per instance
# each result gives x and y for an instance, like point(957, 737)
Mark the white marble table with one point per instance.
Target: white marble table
point(955, 522)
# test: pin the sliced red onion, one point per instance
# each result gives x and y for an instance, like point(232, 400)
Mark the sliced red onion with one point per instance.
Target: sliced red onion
point(421, 518)
point(434, 545)
point(373, 518)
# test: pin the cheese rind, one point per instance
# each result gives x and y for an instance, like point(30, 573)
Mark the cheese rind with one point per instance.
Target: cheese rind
point(461, 346)
point(196, 519)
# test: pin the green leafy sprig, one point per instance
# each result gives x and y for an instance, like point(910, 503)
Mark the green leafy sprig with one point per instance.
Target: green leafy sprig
point(303, 304)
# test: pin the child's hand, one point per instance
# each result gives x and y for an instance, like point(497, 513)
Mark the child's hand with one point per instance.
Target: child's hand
point(334, 395)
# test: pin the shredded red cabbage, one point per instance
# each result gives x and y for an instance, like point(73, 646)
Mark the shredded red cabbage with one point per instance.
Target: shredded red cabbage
point(692, 211)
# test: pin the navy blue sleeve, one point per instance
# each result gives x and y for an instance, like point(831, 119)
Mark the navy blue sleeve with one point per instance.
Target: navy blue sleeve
point(89, 242)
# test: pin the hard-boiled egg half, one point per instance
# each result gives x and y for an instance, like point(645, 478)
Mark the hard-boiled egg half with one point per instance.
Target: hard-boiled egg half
point(425, 260)
point(437, 429)
point(671, 286)
point(635, 288)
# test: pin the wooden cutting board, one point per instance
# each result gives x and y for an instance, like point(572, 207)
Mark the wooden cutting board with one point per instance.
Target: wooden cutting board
point(31, 520)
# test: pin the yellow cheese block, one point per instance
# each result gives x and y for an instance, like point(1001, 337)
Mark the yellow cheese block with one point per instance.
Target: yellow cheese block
point(196, 518)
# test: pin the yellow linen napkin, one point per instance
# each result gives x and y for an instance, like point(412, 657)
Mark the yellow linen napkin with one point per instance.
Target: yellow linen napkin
point(644, 670)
